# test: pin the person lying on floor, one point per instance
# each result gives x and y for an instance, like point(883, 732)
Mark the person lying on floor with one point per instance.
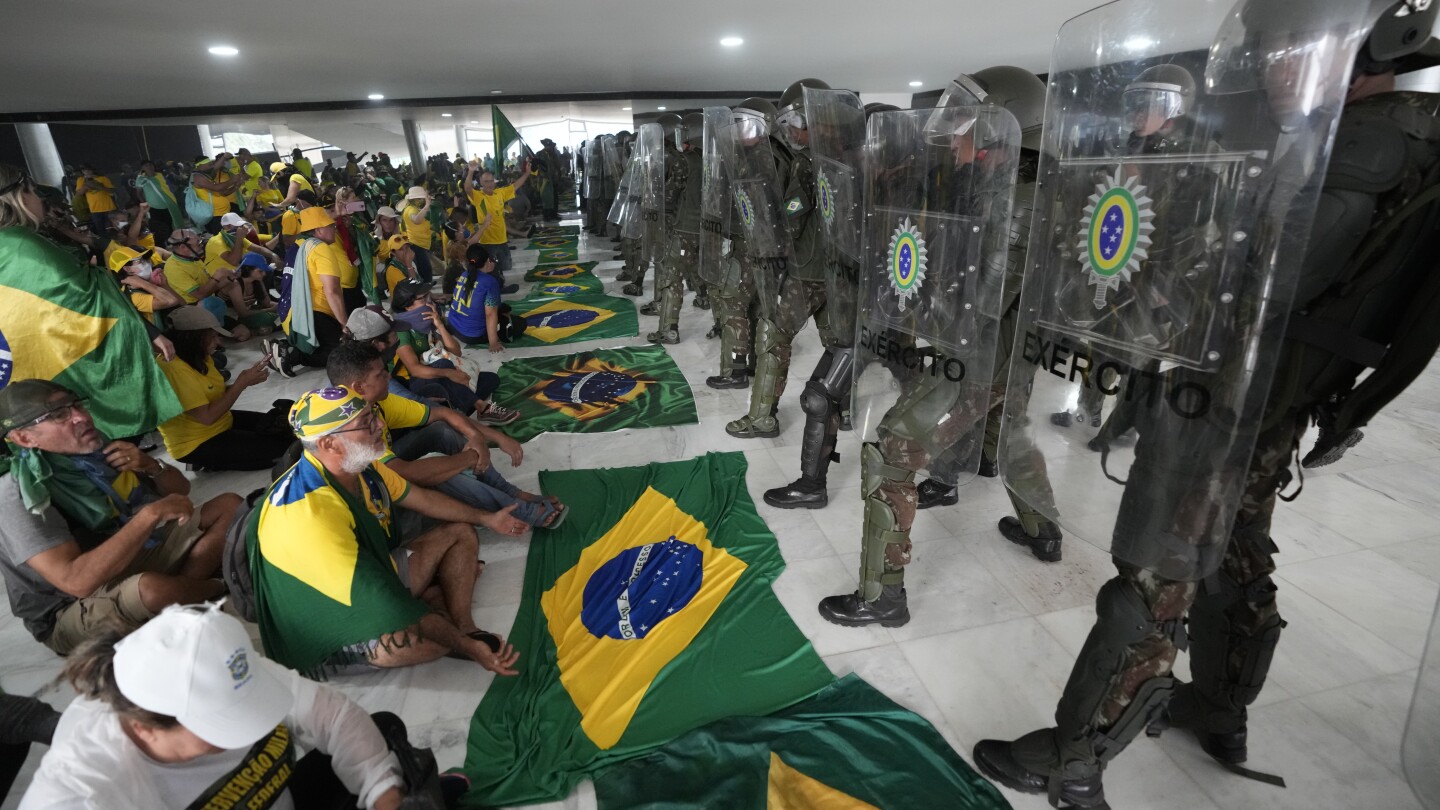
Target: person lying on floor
point(339, 588)
point(464, 470)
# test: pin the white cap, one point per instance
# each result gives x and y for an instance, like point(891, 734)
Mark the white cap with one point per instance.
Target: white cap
point(232, 219)
point(196, 664)
point(386, 211)
point(416, 193)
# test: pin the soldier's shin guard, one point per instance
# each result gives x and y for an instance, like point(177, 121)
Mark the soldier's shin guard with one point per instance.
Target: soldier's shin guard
point(764, 392)
point(670, 299)
point(1228, 665)
point(1078, 748)
point(822, 402)
point(884, 547)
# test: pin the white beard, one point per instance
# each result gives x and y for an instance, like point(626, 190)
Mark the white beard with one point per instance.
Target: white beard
point(356, 457)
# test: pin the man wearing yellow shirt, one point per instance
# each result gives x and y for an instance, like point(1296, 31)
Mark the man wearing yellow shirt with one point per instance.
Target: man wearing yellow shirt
point(315, 313)
point(217, 186)
point(186, 274)
point(302, 164)
point(415, 220)
point(99, 198)
point(489, 201)
point(249, 170)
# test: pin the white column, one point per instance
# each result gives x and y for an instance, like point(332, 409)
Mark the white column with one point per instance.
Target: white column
point(42, 159)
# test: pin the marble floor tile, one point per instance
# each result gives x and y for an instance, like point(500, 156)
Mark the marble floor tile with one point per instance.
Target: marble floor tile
point(1322, 648)
point(1371, 714)
point(801, 587)
point(1375, 592)
point(1420, 556)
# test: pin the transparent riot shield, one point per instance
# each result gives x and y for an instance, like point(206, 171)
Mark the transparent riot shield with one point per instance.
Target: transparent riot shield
point(650, 185)
point(936, 235)
point(1420, 750)
point(591, 186)
point(716, 206)
point(612, 162)
point(836, 124)
point(758, 188)
point(626, 207)
point(1162, 264)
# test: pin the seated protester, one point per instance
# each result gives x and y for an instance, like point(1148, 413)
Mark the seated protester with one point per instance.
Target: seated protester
point(210, 433)
point(398, 263)
point(315, 319)
point(188, 276)
point(411, 377)
point(289, 235)
point(475, 314)
point(256, 277)
point(236, 241)
point(143, 284)
point(454, 266)
point(95, 530)
point(358, 367)
point(338, 590)
point(185, 713)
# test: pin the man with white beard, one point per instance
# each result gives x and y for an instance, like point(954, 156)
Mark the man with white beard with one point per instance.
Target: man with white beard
point(338, 588)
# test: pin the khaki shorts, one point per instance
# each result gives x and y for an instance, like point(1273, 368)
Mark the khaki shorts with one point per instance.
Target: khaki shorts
point(119, 599)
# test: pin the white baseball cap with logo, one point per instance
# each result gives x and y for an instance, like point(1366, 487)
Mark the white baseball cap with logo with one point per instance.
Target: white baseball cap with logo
point(232, 220)
point(196, 664)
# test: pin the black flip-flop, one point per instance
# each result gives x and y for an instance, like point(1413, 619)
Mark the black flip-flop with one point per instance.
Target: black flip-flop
point(486, 637)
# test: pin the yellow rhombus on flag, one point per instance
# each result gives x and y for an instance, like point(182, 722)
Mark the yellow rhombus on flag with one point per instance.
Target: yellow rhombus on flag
point(634, 600)
point(561, 319)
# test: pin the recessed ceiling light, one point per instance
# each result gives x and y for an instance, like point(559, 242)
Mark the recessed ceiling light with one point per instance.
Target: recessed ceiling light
point(474, 122)
point(224, 50)
point(625, 109)
point(446, 115)
point(496, 92)
point(375, 96)
point(916, 84)
point(732, 42)
point(660, 108)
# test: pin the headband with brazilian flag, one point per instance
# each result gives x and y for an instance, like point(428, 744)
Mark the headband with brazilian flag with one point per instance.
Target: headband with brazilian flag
point(324, 411)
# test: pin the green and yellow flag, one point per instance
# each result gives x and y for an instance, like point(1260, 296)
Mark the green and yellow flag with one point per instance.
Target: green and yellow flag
point(560, 271)
point(69, 322)
point(551, 242)
point(572, 316)
point(560, 254)
point(847, 748)
point(648, 614)
point(506, 135)
point(558, 230)
point(583, 284)
point(595, 392)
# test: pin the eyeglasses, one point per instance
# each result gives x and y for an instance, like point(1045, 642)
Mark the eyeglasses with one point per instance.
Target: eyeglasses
point(63, 411)
point(372, 424)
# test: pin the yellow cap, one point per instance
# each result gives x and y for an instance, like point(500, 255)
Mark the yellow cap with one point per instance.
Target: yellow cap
point(315, 217)
point(122, 255)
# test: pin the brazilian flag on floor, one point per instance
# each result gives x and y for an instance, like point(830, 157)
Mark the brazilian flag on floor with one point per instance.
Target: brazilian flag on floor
point(648, 614)
point(572, 317)
point(556, 230)
point(848, 747)
point(561, 254)
point(68, 322)
point(550, 242)
point(595, 392)
point(559, 271)
point(575, 285)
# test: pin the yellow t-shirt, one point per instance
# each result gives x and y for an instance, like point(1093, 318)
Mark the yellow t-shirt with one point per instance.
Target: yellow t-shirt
point(394, 274)
point(290, 224)
point(305, 167)
point(100, 202)
point(349, 273)
point(184, 433)
point(220, 203)
point(494, 203)
point(421, 234)
point(307, 529)
point(253, 172)
point(215, 250)
point(400, 413)
point(323, 262)
point(185, 277)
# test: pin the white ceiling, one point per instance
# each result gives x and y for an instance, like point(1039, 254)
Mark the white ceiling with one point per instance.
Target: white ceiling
point(87, 55)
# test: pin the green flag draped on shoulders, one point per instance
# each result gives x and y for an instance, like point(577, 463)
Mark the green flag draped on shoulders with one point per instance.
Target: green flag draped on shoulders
point(648, 614)
point(69, 322)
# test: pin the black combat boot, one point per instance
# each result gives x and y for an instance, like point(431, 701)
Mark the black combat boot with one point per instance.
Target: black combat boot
point(890, 610)
point(1045, 546)
point(803, 493)
point(933, 493)
point(997, 760)
point(739, 378)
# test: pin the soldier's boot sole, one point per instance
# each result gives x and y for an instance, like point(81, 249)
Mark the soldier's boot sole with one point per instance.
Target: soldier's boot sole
point(996, 760)
point(849, 610)
point(1045, 549)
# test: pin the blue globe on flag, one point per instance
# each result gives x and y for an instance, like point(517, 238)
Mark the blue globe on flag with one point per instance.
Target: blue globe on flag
point(637, 589)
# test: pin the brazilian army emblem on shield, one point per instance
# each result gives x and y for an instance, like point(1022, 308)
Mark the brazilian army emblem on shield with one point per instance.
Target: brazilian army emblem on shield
point(745, 208)
point(1115, 234)
point(907, 260)
point(825, 197)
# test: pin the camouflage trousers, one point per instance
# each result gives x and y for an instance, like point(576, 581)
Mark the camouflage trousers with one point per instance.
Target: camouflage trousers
point(796, 301)
point(1248, 559)
point(734, 304)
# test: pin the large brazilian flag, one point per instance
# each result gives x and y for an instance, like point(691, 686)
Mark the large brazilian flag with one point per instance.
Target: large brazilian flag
point(539, 242)
point(595, 392)
point(581, 283)
point(648, 614)
point(557, 230)
point(848, 748)
point(556, 317)
point(69, 322)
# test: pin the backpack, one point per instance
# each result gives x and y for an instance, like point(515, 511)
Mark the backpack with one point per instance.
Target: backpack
point(235, 560)
point(197, 210)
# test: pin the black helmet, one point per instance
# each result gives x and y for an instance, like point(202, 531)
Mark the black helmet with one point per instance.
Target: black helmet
point(1166, 91)
point(791, 115)
point(753, 118)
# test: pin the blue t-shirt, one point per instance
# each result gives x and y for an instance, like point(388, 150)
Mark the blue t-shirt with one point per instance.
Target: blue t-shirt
point(466, 315)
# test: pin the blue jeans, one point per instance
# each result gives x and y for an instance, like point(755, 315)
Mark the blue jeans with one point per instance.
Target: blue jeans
point(490, 491)
point(446, 391)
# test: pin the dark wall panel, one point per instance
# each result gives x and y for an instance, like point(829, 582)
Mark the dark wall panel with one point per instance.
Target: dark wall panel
point(108, 147)
point(10, 147)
